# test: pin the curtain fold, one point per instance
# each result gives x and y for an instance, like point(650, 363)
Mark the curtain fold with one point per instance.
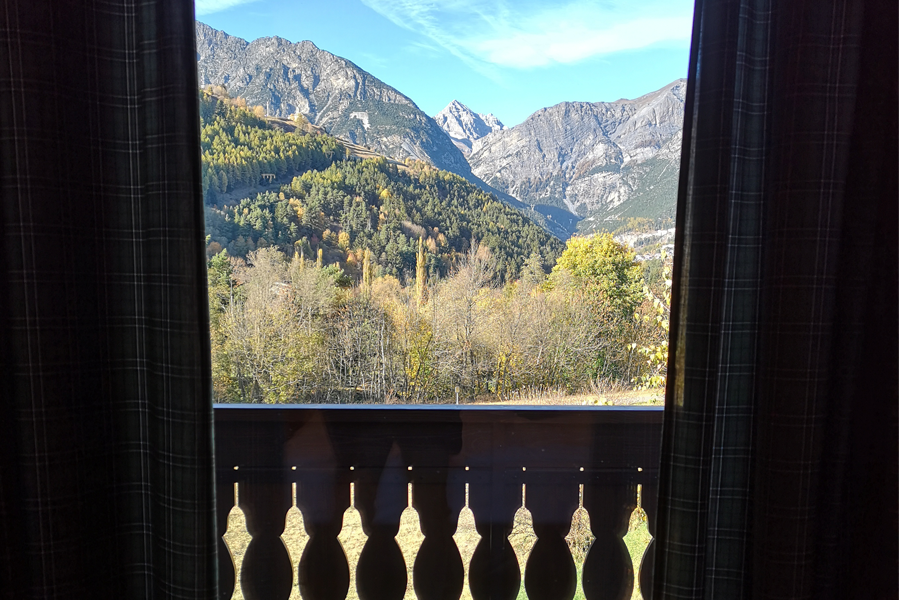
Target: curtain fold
point(779, 476)
point(106, 471)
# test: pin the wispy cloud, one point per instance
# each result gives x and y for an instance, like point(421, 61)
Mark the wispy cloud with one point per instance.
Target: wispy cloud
point(207, 7)
point(418, 47)
point(373, 60)
point(492, 34)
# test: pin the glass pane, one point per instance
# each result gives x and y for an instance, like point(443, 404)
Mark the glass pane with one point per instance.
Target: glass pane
point(440, 203)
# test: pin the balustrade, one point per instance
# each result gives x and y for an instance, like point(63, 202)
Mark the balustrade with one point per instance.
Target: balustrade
point(391, 466)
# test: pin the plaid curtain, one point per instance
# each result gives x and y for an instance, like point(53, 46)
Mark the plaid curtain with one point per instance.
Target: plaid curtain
point(106, 468)
point(779, 468)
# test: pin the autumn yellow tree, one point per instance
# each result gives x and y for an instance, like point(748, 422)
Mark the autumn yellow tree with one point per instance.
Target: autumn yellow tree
point(263, 338)
point(367, 270)
point(606, 275)
point(653, 344)
point(607, 270)
point(462, 323)
point(420, 273)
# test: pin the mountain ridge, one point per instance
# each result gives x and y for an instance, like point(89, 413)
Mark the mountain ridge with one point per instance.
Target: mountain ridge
point(330, 91)
point(591, 158)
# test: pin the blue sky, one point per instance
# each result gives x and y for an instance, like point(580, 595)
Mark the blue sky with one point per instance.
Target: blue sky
point(508, 57)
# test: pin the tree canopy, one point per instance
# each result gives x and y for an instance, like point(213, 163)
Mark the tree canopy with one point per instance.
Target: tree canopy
point(607, 270)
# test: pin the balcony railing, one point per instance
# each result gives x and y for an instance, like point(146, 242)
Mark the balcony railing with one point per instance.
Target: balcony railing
point(441, 461)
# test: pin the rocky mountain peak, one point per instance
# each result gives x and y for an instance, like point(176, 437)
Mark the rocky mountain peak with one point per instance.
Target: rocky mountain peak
point(493, 122)
point(465, 126)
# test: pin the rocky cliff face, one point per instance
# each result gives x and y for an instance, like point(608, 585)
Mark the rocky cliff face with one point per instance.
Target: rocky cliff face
point(330, 91)
point(465, 126)
point(603, 160)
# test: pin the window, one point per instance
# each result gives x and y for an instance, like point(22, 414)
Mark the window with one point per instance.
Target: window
point(344, 269)
point(351, 279)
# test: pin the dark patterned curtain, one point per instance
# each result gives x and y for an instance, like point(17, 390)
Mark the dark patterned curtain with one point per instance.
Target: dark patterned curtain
point(106, 474)
point(779, 472)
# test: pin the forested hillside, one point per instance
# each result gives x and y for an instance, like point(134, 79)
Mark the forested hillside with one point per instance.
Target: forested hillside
point(238, 147)
point(342, 208)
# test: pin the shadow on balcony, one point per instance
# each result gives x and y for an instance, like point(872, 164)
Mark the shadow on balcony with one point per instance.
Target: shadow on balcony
point(433, 502)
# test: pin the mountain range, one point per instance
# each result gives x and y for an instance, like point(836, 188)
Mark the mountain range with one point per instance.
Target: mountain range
point(575, 166)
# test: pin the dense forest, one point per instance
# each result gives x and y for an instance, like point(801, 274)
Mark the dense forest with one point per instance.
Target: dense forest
point(354, 206)
point(238, 147)
point(371, 281)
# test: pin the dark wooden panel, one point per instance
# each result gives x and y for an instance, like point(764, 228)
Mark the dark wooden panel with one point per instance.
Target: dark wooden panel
point(552, 450)
point(224, 504)
point(267, 573)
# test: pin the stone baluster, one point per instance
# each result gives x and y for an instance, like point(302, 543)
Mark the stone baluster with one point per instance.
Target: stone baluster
point(494, 570)
point(608, 573)
point(550, 572)
point(266, 573)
